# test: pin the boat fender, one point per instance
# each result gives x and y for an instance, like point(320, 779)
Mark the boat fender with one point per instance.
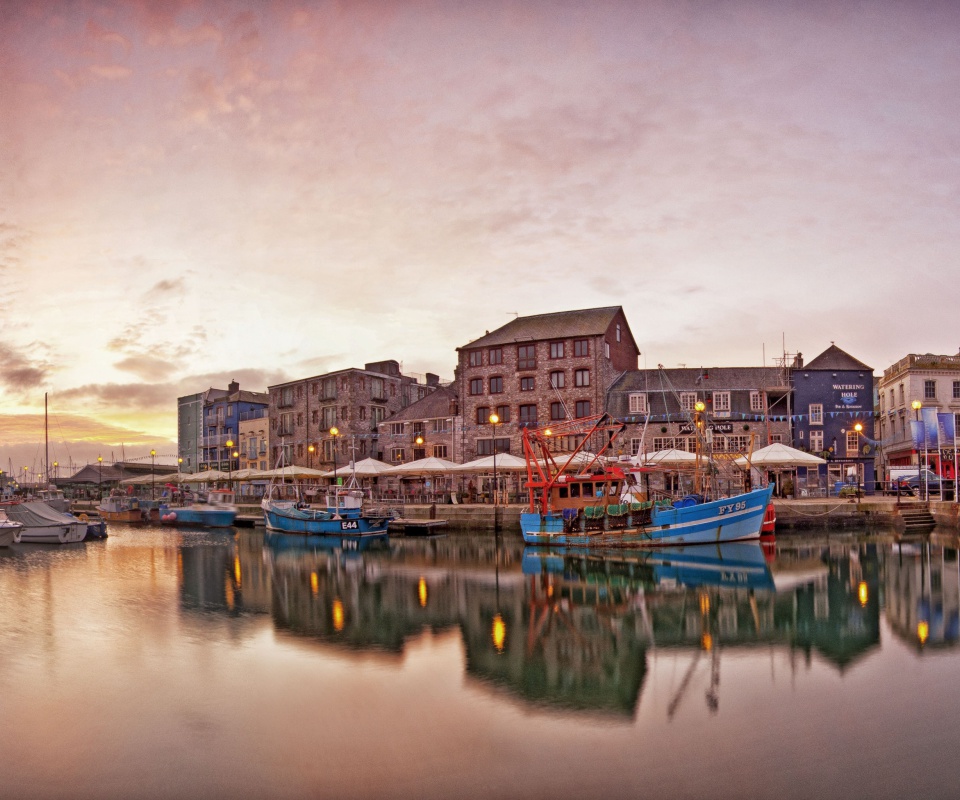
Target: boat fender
point(83, 518)
point(171, 517)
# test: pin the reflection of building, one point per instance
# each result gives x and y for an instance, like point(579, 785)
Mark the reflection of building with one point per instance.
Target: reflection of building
point(922, 594)
point(211, 577)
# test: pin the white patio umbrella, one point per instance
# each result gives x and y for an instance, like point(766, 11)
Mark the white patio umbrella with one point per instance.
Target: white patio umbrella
point(778, 455)
point(424, 466)
point(146, 480)
point(665, 458)
point(203, 477)
point(367, 468)
point(293, 472)
point(505, 462)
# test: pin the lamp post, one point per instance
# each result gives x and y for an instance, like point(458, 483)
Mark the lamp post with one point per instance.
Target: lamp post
point(100, 479)
point(916, 405)
point(310, 449)
point(153, 474)
point(25, 478)
point(56, 470)
point(494, 421)
point(335, 432)
point(858, 427)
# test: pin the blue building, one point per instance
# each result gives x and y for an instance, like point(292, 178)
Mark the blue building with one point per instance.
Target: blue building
point(222, 413)
point(833, 404)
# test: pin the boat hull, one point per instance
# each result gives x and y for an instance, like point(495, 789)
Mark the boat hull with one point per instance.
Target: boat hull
point(282, 519)
point(206, 518)
point(52, 534)
point(732, 519)
point(8, 533)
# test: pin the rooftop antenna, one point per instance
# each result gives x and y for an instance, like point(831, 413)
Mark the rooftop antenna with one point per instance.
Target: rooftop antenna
point(516, 314)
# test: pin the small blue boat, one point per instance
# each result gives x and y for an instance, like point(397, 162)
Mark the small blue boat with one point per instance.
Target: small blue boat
point(217, 510)
point(343, 515)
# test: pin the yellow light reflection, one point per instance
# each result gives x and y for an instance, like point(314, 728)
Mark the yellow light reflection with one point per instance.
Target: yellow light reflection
point(236, 569)
point(499, 633)
point(923, 632)
point(704, 604)
point(422, 593)
point(706, 641)
point(337, 615)
point(314, 584)
point(862, 593)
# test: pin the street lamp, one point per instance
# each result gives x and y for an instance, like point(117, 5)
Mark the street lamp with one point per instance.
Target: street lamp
point(310, 449)
point(153, 474)
point(100, 478)
point(335, 432)
point(56, 470)
point(916, 405)
point(494, 421)
point(858, 427)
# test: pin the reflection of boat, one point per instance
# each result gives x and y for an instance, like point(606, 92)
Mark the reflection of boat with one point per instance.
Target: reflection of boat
point(583, 507)
point(343, 515)
point(348, 542)
point(121, 508)
point(217, 510)
point(44, 525)
point(769, 525)
point(740, 565)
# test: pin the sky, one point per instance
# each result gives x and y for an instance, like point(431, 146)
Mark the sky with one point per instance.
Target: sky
point(196, 192)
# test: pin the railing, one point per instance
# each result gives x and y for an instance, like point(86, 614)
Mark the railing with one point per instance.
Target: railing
point(219, 440)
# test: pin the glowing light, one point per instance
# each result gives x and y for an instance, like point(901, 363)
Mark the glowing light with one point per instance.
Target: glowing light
point(862, 594)
point(494, 419)
point(334, 431)
point(858, 427)
point(314, 584)
point(422, 593)
point(700, 405)
point(337, 615)
point(499, 633)
point(548, 432)
point(706, 641)
point(916, 405)
point(704, 604)
point(236, 569)
point(923, 630)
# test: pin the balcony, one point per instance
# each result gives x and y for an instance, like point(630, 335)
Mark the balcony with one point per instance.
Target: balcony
point(219, 440)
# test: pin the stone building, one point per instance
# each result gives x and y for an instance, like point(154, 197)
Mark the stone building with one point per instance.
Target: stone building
point(537, 370)
point(353, 402)
point(429, 427)
point(742, 403)
point(934, 382)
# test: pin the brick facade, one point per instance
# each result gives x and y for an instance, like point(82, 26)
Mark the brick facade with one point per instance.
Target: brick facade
point(354, 401)
point(538, 370)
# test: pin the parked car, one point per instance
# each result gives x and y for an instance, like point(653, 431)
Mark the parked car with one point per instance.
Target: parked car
point(930, 485)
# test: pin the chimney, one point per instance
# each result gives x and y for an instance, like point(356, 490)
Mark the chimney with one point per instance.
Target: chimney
point(433, 380)
point(233, 387)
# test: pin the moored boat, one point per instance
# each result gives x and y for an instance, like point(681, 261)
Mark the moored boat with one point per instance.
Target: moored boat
point(8, 529)
point(43, 525)
point(215, 510)
point(577, 501)
point(344, 514)
point(121, 508)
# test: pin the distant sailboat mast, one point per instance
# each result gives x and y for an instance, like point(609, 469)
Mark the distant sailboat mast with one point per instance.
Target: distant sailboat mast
point(46, 439)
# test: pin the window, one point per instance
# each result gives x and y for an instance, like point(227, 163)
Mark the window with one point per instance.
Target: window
point(556, 349)
point(901, 394)
point(581, 377)
point(662, 443)
point(853, 444)
point(483, 415)
point(396, 455)
point(376, 389)
point(496, 384)
point(504, 413)
point(528, 415)
point(476, 386)
point(777, 437)
point(418, 453)
point(581, 348)
point(688, 400)
point(756, 401)
point(557, 411)
point(439, 451)
point(495, 355)
point(285, 428)
point(557, 379)
point(635, 446)
point(438, 425)
point(329, 415)
point(618, 331)
point(816, 441)
point(816, 414)
point(377, 413)
point(526, 384)
point(286, 396)
point(583, 408)
point(929, 391)
point(287, 454)
point(329, 388)
point(638, 403)
point(956, 390)
point(721, 401)
point(396, 428)
point(475, 358)
point(606, 349)
point(527, 356)
point(485, 447)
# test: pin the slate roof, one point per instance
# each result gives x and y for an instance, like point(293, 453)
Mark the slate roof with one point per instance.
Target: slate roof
point(833, 358)
point(435, 405)
point(559, 325)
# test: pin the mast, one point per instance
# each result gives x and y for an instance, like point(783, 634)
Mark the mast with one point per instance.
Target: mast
point(46, 439)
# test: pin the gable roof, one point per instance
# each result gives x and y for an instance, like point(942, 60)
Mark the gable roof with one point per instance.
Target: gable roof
point(435, 405)
point(833, 358)
point(559, 325)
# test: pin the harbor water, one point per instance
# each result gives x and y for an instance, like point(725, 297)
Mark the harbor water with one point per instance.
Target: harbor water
point(164, 663)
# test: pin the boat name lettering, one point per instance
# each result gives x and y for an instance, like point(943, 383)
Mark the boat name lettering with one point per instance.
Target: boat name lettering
point(350, 525)
point(729, 508)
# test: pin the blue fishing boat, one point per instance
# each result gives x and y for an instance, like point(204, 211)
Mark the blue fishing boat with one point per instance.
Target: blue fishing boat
point(578, 501)
point(344, 514)
point(215, 510)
